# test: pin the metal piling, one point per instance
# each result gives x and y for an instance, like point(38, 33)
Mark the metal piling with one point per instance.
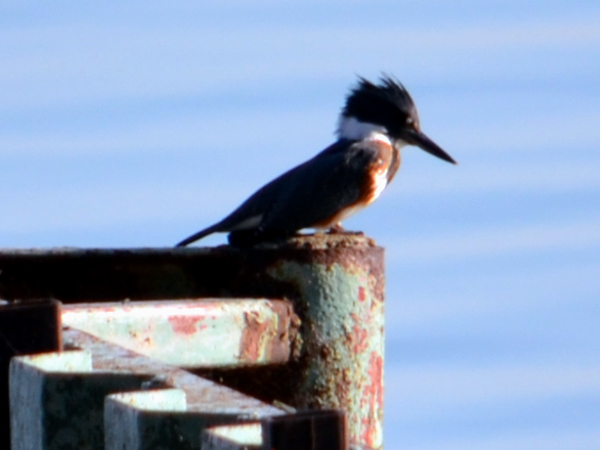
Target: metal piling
point(335, 282)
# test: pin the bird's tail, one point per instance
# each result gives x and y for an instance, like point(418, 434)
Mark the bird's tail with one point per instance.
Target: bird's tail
point(199, 235)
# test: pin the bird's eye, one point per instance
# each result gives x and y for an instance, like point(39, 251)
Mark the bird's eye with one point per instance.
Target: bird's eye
point(410, 121)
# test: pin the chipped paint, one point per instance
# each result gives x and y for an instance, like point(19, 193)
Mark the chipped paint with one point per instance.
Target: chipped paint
point(341, 306)
point(185, 325)
point(373, 400)
point(256, 329)
point(335, 283)
point(194, 333)
point(361, 294)
point(265, 335)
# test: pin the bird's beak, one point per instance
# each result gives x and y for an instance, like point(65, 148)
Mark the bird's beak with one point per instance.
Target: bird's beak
point(423, 142)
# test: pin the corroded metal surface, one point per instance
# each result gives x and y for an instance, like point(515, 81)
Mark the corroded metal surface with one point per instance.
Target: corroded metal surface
point(74, 275)
point(201, 395)
point(193, 333)
point(341, 290)
point(57, 399)
point(336, 283)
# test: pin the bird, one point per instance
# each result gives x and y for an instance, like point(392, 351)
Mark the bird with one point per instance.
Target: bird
point(376, 121)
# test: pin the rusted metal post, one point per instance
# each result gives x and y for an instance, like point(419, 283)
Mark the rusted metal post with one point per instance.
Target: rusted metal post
point(336, 283)
point(340, 283)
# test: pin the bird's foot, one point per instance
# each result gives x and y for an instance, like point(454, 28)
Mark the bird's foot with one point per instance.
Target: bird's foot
point(336, 229)
point(339, 229)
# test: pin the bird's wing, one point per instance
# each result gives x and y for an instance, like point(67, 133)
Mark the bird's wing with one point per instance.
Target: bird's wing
point(252, 212)
point(319, 189)
point(308, 194)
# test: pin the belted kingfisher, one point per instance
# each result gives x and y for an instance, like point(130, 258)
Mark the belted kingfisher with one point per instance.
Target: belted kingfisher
point(375, 123)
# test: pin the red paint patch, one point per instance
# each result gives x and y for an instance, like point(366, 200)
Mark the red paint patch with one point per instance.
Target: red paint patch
point(373, 400)
point(250, 350)
point(185, 325)
point(360, 339)
point(361, 294)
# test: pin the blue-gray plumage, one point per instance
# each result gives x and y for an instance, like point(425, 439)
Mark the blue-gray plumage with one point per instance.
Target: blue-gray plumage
point(376, 121)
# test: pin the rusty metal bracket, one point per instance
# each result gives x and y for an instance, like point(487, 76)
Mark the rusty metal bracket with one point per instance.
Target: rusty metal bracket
point(194, 333)
point(335, 283)
point(57, 399)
